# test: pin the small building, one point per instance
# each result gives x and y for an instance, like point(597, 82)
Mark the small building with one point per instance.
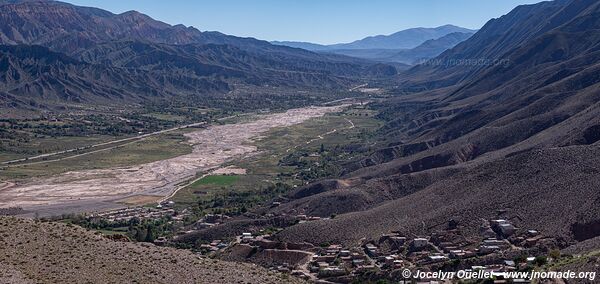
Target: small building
point(509, 263)
point(161, 241)
point(331, 272)
point(419, 243)
point(372, 250)
point(495, 242)
point(247, 237)
point(506, 229)
point(397, 241)
point(358, 262)
point(388, 260)
point(356, 255)
point(324, 258)
point(437, 258)
point(457, 254)
point(365, 268)
point(488, 249)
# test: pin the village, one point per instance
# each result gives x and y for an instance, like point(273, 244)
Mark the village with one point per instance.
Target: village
point(142, 213)
point(501, 247)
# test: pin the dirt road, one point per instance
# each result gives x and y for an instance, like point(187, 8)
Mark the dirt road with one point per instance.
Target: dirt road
point(91, 190)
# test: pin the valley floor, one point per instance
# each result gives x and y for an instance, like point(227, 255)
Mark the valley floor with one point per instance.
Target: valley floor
point(101, 189)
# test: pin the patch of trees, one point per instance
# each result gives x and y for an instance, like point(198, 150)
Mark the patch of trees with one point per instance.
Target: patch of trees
point(146, 230)
point(236, 202)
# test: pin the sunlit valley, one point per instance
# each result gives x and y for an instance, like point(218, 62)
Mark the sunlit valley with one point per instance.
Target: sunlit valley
point(138, 151)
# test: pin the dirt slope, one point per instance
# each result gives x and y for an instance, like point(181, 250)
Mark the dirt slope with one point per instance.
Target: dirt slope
point(36, 252)
point(553, 190)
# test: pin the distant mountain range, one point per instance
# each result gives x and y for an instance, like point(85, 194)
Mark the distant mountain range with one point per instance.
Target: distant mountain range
point(57, 53)
point(402, 47)
point(405, 39)
point(427, 50)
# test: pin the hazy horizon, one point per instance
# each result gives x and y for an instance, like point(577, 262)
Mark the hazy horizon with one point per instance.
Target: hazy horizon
point(322, 22)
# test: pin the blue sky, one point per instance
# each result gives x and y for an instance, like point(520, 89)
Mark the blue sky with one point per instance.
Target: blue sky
point(319, 21)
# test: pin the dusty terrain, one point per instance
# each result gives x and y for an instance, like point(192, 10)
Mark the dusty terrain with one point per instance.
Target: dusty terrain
point(554, 191)
point(36, 252)
point(492, 139)
point(97, 188)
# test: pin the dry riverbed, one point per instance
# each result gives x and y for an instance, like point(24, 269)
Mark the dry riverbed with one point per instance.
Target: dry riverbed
point(92, 190)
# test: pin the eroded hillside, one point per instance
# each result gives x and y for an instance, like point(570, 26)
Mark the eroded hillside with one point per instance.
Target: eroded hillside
point(38, 252)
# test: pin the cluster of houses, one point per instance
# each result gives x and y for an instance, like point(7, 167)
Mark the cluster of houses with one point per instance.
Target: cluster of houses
point(142, 213)
point(339, 263)
point(210, 220)
point(494, 251)
point(213, 246)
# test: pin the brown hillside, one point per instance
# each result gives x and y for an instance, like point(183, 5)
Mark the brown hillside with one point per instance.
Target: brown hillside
point(36, 252)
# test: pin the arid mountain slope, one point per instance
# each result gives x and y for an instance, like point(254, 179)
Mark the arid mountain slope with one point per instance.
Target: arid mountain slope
point(59, 253)
point(496, 38)
point(546, 95)
point(521, 136)
point(427, 50)
point(131, 58)
point(552, 190)
point(31, 76)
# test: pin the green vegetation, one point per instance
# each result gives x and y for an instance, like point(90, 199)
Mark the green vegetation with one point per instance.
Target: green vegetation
point(220, 180)
point(151, 149)
point(21, 138)
point(290, 157)
point(135, 229)
point(12, 149)
point(296, 154)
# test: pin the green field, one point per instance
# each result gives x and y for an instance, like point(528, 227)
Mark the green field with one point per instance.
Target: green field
point(222, 180)
point(153, 148)
point(209, 187)
point(44, 145)
point(281, 142)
